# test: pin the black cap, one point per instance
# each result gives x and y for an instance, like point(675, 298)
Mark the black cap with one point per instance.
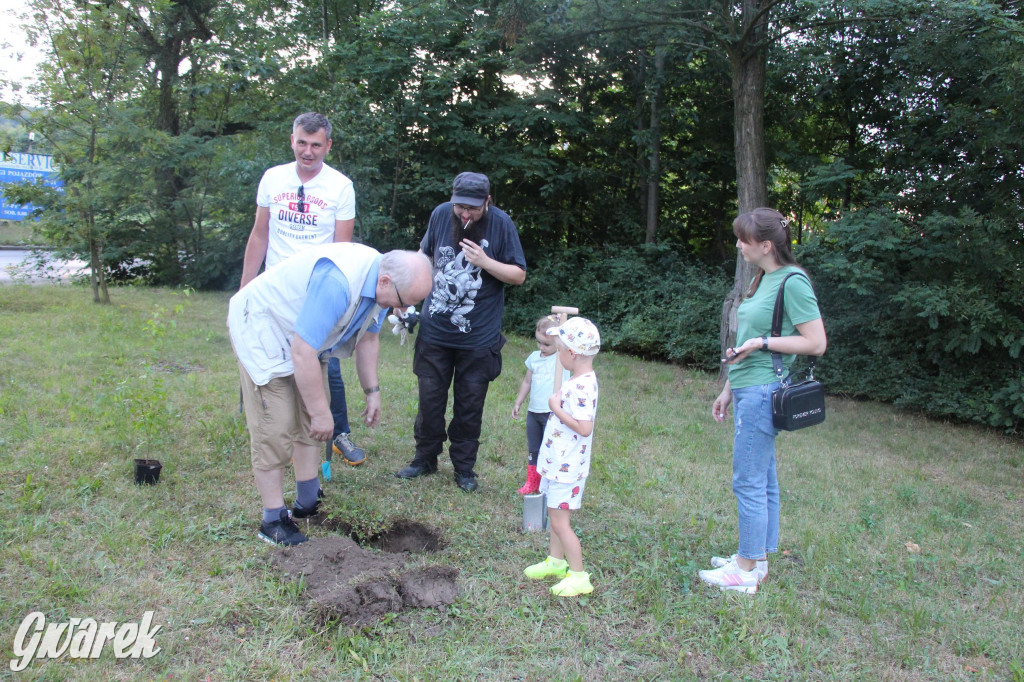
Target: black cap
point(471, 189)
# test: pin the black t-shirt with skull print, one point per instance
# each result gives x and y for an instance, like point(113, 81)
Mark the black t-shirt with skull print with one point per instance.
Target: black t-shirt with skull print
point(465, 306)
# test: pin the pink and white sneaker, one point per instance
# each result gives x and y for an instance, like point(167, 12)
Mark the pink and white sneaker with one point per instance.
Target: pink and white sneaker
point(762, 566)
point(731, 577)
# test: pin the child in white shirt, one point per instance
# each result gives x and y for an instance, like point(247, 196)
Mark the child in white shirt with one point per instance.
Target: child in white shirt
point(539, 384)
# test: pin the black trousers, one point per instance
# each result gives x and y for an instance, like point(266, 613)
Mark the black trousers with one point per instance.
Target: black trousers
point(469, 373)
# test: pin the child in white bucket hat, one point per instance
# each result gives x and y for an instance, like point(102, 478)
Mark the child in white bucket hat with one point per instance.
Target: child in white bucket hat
point(564, 459)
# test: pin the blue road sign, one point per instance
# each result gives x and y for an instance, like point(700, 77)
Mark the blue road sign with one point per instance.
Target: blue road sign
point(18, 168)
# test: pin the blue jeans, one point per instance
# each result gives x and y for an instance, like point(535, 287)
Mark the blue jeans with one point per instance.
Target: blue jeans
point(339, 408)
point(754, 479)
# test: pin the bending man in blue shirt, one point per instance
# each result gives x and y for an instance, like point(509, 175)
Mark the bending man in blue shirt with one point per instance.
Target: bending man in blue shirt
point(329, 300)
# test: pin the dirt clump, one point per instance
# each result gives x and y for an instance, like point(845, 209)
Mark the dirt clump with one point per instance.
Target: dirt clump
point(429, 586)
point(360, 586)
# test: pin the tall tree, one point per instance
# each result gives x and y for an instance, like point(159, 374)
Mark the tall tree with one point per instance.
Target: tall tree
point(159, 96)
point(745, 30)
point(82, 87)
point(167, 36)
point(623, 88)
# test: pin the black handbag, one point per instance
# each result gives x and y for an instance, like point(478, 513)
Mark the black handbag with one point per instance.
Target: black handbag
point(795, 404)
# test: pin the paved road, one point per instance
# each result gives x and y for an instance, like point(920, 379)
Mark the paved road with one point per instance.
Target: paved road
point(18, 265)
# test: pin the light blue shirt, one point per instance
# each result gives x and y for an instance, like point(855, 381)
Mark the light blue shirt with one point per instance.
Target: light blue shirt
point(542, 381)
point(327, 300)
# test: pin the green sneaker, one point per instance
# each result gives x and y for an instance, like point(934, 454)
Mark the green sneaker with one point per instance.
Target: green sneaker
point(549, 568)
point(573, 584)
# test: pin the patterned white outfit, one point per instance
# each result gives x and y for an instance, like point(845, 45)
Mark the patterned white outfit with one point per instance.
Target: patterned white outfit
point(564, 454)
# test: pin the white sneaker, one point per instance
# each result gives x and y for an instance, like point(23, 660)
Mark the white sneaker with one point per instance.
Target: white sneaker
point(731, 577)
point(762, 566)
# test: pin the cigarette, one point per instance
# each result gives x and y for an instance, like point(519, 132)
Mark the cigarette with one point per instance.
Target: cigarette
point(467, 224)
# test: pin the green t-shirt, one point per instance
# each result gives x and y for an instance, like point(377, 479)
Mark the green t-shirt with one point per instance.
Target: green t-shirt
point(754, 320)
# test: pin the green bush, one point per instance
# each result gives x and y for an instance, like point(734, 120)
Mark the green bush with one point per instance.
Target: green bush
point(924, 313)
point(647, 300)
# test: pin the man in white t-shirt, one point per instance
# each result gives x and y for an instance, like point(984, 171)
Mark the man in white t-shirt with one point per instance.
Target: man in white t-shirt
point(300, 205)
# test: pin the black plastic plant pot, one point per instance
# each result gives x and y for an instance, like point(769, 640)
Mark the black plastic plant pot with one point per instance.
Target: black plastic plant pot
point(147, 471)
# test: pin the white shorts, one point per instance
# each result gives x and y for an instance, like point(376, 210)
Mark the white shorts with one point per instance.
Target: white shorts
point(563, 495)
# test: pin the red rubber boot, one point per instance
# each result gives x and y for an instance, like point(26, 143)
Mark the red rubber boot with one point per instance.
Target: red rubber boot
point(532, 484)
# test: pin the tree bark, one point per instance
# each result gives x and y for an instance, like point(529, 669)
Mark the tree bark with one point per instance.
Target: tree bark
point(747, 60)
point(97, 276)
point(99, 279)
point(642, 156)
point(654, 160)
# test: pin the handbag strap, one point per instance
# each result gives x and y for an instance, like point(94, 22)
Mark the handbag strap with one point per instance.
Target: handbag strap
point(777, 331)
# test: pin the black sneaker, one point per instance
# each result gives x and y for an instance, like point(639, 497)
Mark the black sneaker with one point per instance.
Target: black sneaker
point(415, 470)
point(301, 512)
point(282, 532)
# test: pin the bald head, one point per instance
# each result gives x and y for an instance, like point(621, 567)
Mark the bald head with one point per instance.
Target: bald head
point(407, 274)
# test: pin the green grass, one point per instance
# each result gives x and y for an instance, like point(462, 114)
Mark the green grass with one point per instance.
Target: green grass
point(84, 389)
point(17, 232)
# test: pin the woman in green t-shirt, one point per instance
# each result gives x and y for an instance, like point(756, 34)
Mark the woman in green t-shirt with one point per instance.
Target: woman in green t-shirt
point(762, 236)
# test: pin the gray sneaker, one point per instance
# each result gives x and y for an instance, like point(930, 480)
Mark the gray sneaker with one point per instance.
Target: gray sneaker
point(354, 456)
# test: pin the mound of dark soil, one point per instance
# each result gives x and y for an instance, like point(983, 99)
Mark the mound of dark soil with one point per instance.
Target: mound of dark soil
point(360, 586)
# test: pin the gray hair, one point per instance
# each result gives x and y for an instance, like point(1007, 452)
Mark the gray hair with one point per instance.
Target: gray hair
point(398, 265)
point(312, 122)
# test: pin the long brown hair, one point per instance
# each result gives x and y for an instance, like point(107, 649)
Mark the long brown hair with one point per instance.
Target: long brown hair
point(765, 225)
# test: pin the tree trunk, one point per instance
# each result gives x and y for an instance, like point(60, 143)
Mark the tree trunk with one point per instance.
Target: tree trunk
point(96, 276)
point(641, 158)
point(99, 280)
point(323, 17)
point(800, 220)
point(654, 160)
point(747, 59)
point(852, 139)
point(720, 234)
point(94, 270)
point(748, 82)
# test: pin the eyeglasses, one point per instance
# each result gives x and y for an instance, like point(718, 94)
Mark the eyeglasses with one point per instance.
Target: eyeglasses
point(400, 302)
point(301, 205)
point(466, 207)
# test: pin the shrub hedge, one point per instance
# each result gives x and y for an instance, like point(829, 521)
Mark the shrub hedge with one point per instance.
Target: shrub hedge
point(647, 301)
point(912, 319)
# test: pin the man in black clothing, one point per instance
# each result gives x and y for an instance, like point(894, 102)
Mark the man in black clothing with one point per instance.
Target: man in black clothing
point(475, 251)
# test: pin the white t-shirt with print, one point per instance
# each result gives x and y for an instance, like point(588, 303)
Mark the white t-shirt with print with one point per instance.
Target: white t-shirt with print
point(564, 454)
point(327, 198)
